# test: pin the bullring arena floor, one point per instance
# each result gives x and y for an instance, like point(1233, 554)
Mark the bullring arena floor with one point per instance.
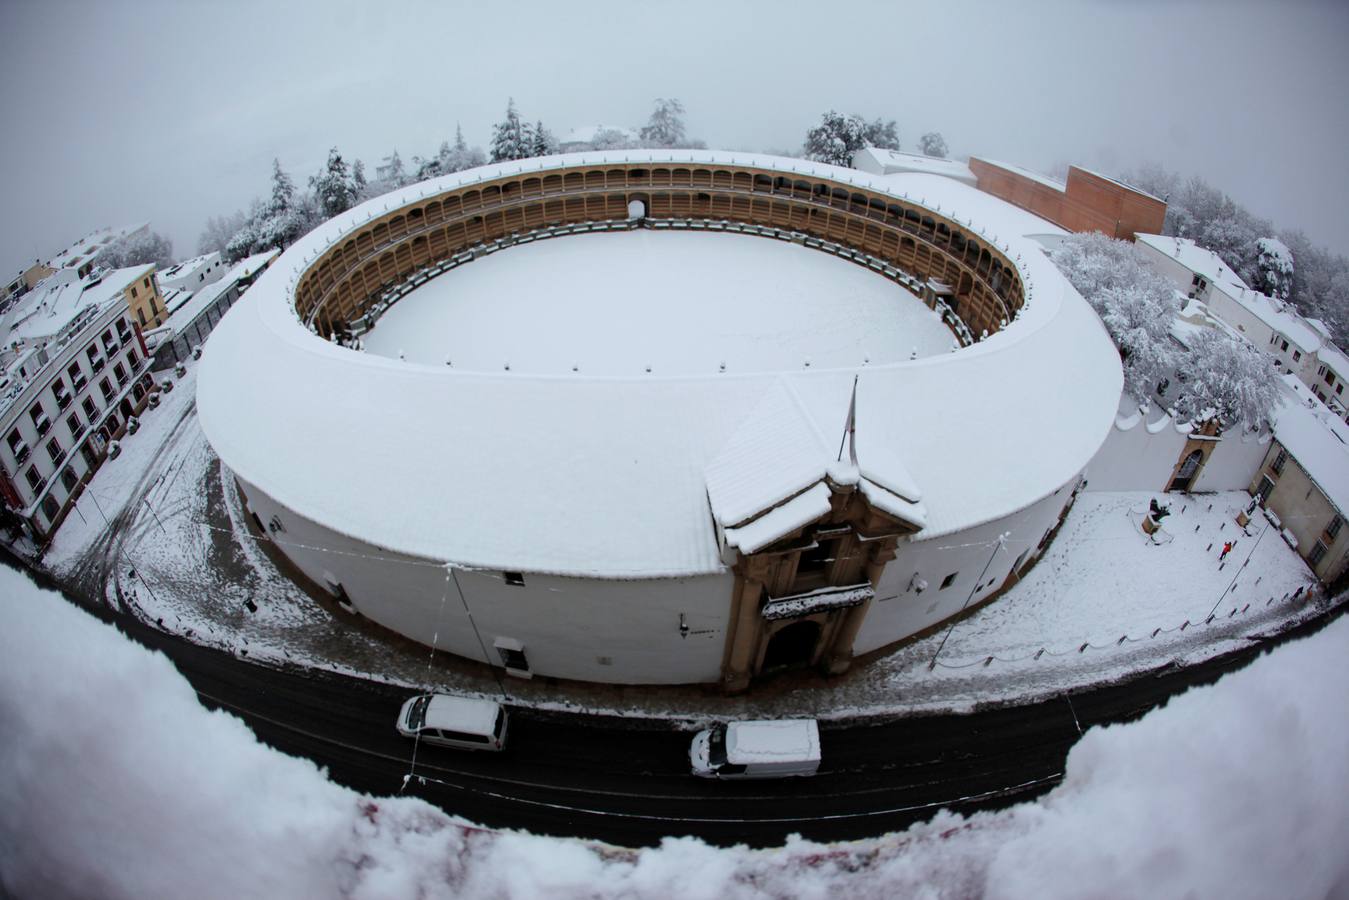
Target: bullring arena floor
point(679, 303)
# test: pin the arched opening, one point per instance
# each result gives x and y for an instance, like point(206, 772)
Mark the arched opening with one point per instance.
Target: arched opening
point(1185, 475)
point(792, 646)
point(126, 408)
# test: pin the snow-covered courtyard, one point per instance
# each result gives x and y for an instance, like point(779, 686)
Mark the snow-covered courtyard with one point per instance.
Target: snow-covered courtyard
point(677, 303)
point(1104, 602)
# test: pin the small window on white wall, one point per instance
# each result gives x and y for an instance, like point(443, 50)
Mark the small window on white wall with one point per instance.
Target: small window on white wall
point(512, 654)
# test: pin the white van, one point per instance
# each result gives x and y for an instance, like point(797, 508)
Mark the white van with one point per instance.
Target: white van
point(767, 749)
point(458, 722)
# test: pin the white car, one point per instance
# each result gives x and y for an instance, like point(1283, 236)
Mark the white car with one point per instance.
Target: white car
point(780, 748)
point(460, 722)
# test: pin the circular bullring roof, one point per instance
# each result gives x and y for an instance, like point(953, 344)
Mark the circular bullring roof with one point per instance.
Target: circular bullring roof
point(611, 473)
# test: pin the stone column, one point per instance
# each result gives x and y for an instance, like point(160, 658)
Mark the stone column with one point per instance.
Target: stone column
point(839, 657)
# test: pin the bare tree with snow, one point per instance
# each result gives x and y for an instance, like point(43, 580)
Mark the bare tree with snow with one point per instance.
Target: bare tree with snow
point(137, 250)
point(1226, 378)
point(218, 231)
point(666, 125)
point(932, 144)
point(1136, 305)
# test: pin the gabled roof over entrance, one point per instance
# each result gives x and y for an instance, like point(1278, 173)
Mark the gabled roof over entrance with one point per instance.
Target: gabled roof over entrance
point(775, 472)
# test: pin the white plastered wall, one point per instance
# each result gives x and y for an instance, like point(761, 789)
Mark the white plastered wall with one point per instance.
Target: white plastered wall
point(621, 632)
point(900, 610)
point(1140, 454)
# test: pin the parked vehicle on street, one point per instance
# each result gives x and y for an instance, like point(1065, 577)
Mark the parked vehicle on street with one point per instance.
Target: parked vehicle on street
point(460, 722)
point(762, 749)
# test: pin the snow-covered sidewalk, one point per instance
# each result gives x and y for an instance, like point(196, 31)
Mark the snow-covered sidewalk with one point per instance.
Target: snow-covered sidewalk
point(1104, 602)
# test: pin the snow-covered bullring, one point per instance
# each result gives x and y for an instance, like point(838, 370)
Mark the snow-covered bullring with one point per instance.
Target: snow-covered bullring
point(699, 522)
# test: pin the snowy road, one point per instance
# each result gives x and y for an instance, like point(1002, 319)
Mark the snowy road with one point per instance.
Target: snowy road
point(627, 782)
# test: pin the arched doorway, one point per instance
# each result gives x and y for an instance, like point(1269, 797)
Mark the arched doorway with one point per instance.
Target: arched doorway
point(791, 646)
point(125, 408)
point(1186, 473)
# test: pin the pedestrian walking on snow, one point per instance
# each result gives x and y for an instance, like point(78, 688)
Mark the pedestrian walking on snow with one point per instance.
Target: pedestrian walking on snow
point(1227, 548)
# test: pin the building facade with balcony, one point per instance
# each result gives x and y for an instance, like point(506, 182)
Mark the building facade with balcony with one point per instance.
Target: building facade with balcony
point(75, 373)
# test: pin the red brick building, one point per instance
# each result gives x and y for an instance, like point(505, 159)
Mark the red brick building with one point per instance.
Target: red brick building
point(1088, 202)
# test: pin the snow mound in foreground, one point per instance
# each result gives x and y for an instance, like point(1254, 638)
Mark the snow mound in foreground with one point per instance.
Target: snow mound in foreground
point(117, 783)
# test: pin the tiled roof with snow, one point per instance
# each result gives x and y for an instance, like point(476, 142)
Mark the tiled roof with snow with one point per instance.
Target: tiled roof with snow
point(611, 476)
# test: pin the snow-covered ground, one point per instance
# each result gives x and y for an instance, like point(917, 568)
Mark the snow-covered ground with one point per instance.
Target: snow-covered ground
point(119, 784)
point(1104, 601)
point(679, 303)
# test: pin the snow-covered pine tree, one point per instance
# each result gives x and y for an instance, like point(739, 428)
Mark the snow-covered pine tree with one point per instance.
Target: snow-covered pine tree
point(665, 128)
point(333, 186)
point(932, 144)
point(511, 139)
point(283, 189)
point(392, 170)
point(358, 181)
point(461, 155)
point(543, 141)
point(1274, 264)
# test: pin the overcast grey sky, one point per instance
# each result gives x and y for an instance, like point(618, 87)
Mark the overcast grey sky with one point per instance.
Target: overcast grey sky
point(172, 111)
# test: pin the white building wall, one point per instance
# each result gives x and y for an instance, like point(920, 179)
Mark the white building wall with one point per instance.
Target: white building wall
point(1225, 307)
point(194, 273)
point(1170, 268)
point(622, 632)
point(900, 610)
point(1233, 462)
point(1138, 455)
point(116, 345)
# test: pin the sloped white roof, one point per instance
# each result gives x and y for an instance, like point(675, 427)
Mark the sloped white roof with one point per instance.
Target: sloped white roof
point(182, 315)
point(612, 476)
point(797, 512)
point(1317, 439)
point(892, 162)
point(1283, 320)
point(462, 713)
point(1197, 259)
point(60, 299)
point(772, 741)
point(1024, 172)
